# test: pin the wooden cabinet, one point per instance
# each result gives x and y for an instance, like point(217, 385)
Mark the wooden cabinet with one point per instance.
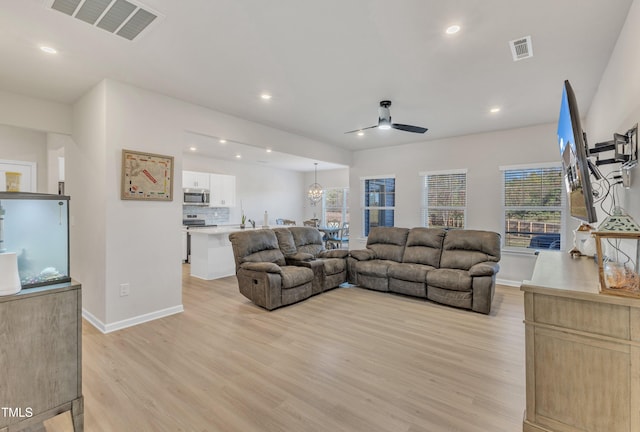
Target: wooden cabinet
point(195, 180)
point(222, 190)
point(582, 350)
point(41, 356)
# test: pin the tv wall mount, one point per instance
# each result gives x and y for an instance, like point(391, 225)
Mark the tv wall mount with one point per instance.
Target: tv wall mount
point(624, 148)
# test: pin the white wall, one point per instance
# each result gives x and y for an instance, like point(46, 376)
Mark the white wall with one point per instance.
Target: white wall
point(258, 188)
point(85, 183)
point(32, 113)
point(20, 144)
point(481, 155)
point(616, 104)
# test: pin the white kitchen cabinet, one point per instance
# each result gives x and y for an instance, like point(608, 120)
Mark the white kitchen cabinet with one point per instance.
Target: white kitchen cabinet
point(195, 180)
point(222, 190)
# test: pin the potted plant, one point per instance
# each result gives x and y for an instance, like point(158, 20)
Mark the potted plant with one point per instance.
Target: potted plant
point(243, 220)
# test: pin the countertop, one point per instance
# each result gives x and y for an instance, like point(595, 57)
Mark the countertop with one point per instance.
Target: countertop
point(219, 230)
point(557, 274)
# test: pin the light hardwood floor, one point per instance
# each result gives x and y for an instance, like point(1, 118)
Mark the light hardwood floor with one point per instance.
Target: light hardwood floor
point(346, 360)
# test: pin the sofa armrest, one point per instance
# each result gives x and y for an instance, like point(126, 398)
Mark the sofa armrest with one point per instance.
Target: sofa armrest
point(334, 253)
point(362, 254)
point(267, 267)
point(299, 256)
point(487, 268)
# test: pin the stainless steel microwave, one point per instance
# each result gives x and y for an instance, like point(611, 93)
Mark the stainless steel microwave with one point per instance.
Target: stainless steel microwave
point(196, 197)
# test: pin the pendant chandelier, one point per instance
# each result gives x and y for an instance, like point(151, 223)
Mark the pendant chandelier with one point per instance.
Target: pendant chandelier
point(315, 190)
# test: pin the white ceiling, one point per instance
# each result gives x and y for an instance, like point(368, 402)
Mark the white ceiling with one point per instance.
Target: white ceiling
point(328, 63)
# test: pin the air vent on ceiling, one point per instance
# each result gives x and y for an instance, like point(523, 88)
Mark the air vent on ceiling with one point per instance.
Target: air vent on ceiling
point(521, 48)
point(122, 17)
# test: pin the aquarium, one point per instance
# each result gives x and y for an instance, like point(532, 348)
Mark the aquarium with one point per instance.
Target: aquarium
point(36, 227)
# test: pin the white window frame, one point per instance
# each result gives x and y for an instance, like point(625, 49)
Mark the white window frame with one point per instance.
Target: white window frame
point(362, 198)
point(424, 175)
point(562, 208)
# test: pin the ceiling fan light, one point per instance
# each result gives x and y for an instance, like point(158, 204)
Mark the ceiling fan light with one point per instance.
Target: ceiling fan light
point(384, 126)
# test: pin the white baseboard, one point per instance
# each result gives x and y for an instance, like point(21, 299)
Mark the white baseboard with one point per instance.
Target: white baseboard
point(510, 283)
point(129, 322)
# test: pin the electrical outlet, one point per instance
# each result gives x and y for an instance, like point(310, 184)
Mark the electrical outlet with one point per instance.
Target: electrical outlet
point(124, 289)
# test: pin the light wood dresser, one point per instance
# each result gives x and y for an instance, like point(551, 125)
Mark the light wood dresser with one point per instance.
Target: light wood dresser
point(41, 356)
point(582, 350)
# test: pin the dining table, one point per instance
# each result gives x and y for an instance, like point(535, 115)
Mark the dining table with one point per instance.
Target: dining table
point(330, 234)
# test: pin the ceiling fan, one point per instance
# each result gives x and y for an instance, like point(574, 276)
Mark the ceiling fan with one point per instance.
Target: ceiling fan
point(384, 121)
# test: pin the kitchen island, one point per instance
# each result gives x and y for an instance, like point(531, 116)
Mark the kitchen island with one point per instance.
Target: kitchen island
point(211, 253)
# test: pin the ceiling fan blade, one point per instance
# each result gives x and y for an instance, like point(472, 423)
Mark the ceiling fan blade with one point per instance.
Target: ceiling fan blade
point(361, 129)
point(409, 128)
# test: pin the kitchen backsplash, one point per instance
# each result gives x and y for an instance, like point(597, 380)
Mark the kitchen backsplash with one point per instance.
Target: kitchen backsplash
point(211, 215)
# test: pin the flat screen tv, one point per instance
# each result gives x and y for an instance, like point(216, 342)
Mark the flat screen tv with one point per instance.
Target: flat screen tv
point(573, 151)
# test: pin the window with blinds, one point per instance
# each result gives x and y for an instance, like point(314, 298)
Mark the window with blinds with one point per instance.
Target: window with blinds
point(534, 207)
point(379, 202)
point(444, 199)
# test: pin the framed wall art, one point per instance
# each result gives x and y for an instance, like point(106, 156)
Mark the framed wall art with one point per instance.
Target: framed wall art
point(146, 176)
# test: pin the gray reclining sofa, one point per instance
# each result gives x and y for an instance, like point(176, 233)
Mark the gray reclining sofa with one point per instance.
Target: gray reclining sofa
point(454, 267)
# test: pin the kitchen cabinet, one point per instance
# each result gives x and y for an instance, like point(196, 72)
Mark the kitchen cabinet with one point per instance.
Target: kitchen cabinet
point(41, 356)
point(195, 180)
point(222, 190)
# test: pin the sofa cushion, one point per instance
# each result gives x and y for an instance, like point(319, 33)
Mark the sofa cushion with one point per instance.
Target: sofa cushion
point(464, 248)
point(388, 242)
point(307, 239)
point(256, 246)
point(451, 279)
point(424, 246)
point(377, 268)
point(285, 240)
point(293, 276)
point(410, 272)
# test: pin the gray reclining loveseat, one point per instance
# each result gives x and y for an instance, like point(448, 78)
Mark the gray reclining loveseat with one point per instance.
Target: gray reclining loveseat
point(285, 265)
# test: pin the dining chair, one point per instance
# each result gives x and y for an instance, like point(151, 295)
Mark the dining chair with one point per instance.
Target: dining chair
point(344, 233)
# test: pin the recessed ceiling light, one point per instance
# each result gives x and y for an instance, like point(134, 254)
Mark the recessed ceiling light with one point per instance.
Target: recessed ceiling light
point(265, 96)
point(193, 148)
point(48, 49)
point(269, 150)
point(223, 141)
point(453, 29)
point(238, 156)
point(494, 110)
point(360, 133)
